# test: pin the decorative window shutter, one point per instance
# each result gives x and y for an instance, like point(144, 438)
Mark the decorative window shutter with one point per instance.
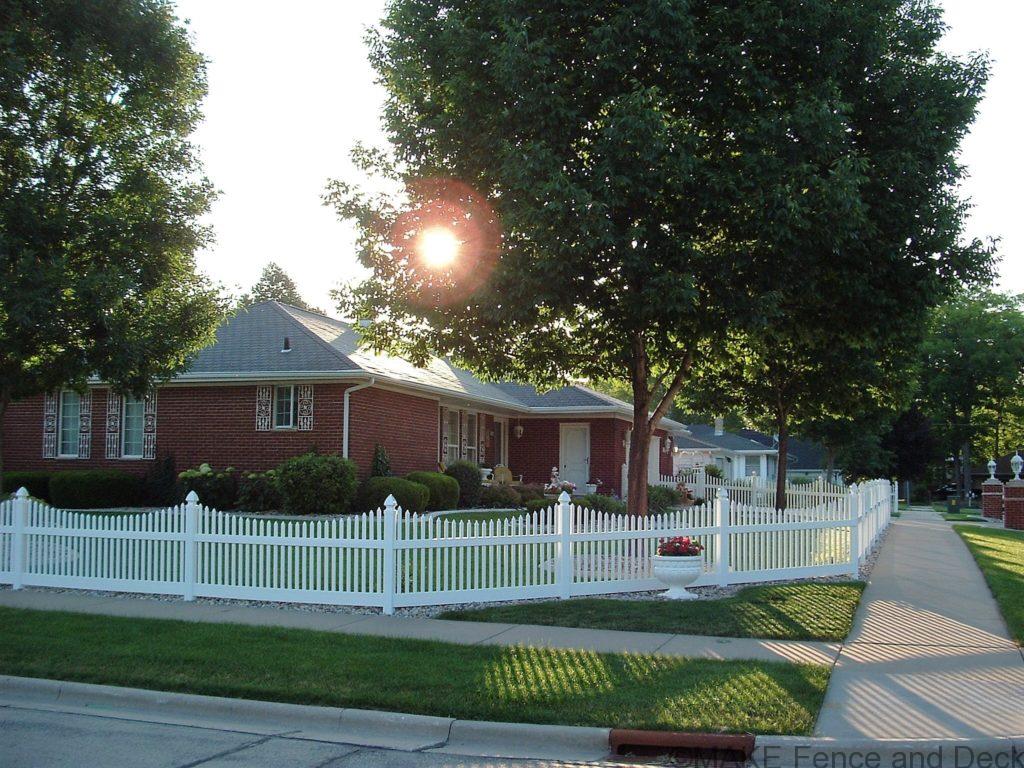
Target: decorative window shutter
point(444, 434)
point(305, 396)
point(113, 424)
point(85, 426)
point(149, 426)
point(50, 425)
point(264, 404)
point(463, 437)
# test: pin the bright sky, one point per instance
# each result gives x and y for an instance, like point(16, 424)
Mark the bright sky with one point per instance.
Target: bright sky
point(291, 92)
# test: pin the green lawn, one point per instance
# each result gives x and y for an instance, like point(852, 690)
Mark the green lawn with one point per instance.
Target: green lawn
point(485, 515)
point(485, 683)
point(811, 611)
point(1000, 555)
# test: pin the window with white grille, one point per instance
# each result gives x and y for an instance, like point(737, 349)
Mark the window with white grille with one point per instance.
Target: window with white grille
point(286, 407)
point(133, 428)
point(70, 423)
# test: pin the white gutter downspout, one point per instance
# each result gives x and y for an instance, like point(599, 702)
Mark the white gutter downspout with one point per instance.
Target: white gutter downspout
point(344, 429)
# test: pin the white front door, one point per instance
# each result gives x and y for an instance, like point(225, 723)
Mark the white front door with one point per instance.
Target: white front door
point(574, 454)
point(654, 461)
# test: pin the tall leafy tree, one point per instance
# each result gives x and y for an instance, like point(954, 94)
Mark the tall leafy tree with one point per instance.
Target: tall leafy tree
point(275, 285)
point(630, 184)
point(973, 366)
point(100, 195)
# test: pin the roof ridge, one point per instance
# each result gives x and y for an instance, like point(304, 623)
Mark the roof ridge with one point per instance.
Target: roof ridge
point(283, 309)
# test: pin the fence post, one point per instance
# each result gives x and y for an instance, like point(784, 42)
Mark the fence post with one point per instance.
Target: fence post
point(190, 569)
point(722, 554)
point(854, 510)
point(563, 550)
point(894, 502)
point(18, 540)
point(390, 530)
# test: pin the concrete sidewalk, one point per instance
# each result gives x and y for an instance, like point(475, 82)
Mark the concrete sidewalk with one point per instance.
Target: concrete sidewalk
point(460, 632)
point(929, 655)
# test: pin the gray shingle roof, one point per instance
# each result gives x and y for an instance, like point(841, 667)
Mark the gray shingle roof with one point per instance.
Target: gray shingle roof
point(727, 440)
point(685, 441)
point(250, 342)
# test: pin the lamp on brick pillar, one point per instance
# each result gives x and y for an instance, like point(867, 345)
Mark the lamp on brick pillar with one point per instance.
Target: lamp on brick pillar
point(992, 493)
point(1013, 497)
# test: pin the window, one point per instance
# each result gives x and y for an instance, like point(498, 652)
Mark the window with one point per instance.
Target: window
point(452, 428)
point(132, 427)
point(286, 407)
point(471, 437)
point(70, 423)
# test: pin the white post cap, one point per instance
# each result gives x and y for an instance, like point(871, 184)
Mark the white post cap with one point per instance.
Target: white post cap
point(192, 497)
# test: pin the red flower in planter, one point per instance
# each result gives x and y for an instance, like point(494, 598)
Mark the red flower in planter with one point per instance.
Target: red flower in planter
point(680, 546)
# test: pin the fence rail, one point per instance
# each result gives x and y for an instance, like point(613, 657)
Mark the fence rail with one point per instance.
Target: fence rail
point(390, 559)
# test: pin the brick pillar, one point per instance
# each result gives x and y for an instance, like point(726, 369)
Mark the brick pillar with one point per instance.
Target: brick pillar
point(1013, 501)
point(992, 498)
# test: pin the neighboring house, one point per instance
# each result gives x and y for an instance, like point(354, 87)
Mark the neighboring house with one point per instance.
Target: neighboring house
point(280, 381)
point(804, 458)
point(737, 456)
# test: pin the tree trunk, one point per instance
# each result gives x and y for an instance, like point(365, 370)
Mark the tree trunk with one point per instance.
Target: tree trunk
point(965, 466)
point(830, 463)
point(780, 477)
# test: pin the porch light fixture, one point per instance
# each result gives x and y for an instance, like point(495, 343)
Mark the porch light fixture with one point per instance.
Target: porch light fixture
point(991, 469)
point(518, 431)
point(1015, 464)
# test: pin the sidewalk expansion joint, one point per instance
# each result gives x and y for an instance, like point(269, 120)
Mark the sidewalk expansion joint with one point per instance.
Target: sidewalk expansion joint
point(670, 639)
point(496, 634)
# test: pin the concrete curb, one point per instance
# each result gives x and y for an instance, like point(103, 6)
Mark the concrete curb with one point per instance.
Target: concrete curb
point(360, 727)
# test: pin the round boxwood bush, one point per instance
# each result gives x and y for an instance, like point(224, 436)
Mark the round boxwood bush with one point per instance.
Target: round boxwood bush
point(444, 490)
point(93, 489)
point(411, 497)
point(468, 476)
point(500, 497)
point(600, 503)
point(216, 488)
point(317, 484)
point(259, 492)
point(660, 498)
point(36, 483)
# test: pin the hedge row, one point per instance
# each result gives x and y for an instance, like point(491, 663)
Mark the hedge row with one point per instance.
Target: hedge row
point(80, 489)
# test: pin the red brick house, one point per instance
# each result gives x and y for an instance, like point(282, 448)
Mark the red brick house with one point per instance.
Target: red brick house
point(280, 381)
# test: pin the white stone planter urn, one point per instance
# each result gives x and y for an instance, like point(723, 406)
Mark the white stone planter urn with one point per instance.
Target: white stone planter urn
point(677, 572)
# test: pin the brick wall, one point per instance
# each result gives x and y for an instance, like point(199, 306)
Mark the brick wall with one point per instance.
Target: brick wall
point(406, 425)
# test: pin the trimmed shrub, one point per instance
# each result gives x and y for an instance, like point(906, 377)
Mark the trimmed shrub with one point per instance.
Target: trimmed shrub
point(36, 483)
point(411, 496)
point(317, 484)
point(93, 489)
point(713, 470)
point(500, 497)
point(534, 505)
point(216, 489)
point(160, 485)
point(468, 476)
point(381, 465)
point(444, 490)
point(660, 498)
point(530, 491)
point(600, 503)
point(259, 492)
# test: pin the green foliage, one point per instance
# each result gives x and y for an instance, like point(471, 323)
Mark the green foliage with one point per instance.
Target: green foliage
point(500, 497)
point(381, 465)
point(444, 490)
point(36, 483)
point(259, 492)
point(317, 484)
point(93, 489)
point(621, 224)
point(1000, 555)
point(216, 489)
point(660, 499)
point(601, 503)
point(468, 476)
point(160, 484)
point(529, 491)
point(535, 505)
point(374, 491)
point(101, 196)
point(713, 470)
point(275, 285)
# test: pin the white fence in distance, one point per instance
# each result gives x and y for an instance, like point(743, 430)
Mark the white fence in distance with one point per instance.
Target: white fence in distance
point(390, 559)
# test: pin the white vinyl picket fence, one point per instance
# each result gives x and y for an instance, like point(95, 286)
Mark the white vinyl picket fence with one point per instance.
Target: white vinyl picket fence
point(392, 559)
